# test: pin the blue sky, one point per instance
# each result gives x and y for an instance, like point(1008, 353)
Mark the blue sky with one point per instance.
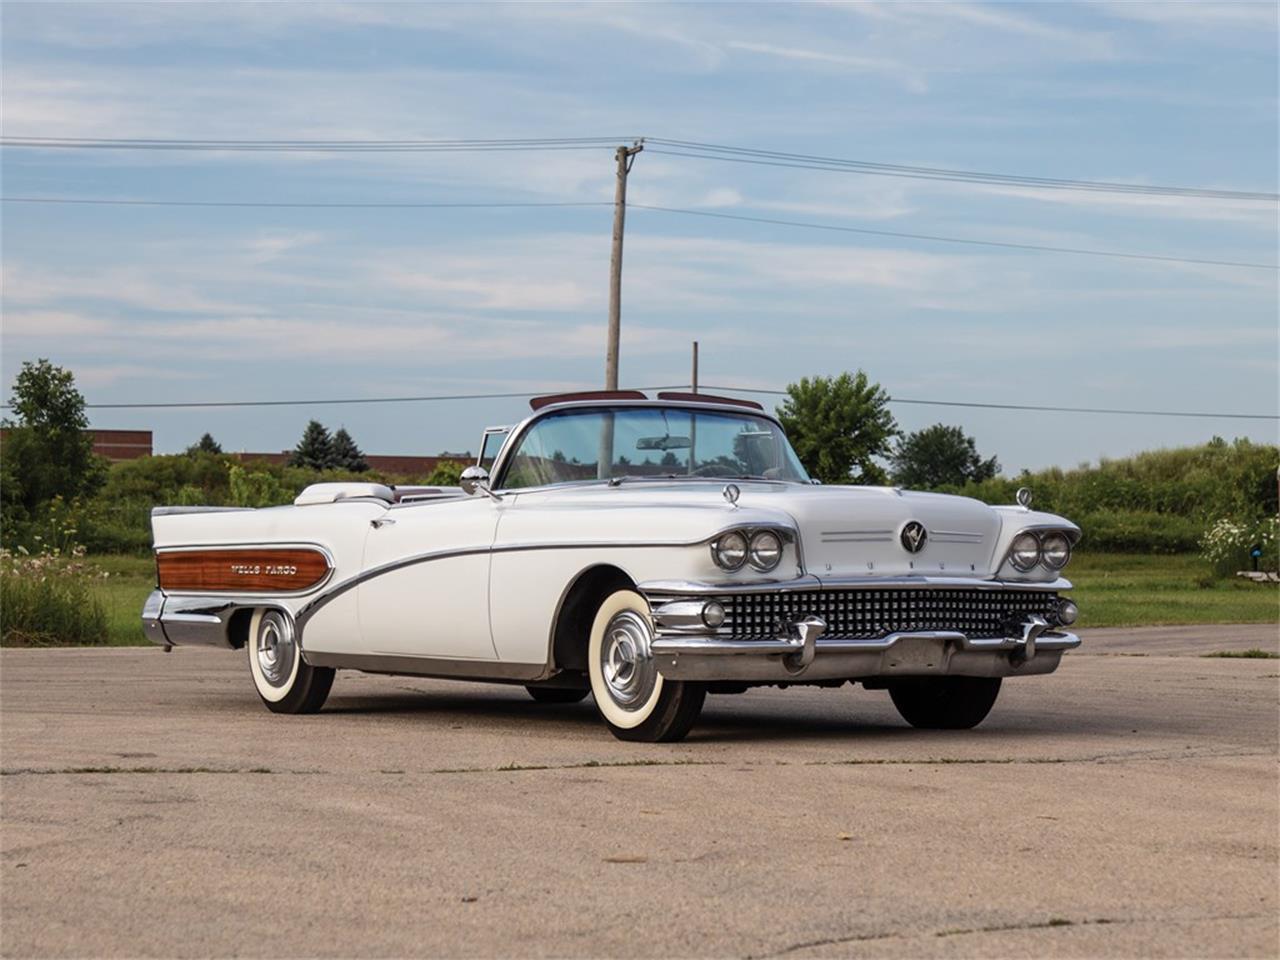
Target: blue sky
point(150, 304)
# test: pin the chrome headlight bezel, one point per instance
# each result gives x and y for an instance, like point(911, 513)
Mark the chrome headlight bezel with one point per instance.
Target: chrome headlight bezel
point(1025, 537)
point(735, 560)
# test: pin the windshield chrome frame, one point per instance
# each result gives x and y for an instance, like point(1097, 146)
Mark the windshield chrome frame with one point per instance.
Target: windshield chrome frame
point(516, 437)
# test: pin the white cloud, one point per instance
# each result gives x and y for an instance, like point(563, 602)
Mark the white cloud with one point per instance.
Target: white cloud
point(910, 78)
point(274, 244)
point(1245, 212)
point(51, 323)
point(1236, 14)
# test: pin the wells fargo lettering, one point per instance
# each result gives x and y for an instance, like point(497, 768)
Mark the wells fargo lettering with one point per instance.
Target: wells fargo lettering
point(259, 569)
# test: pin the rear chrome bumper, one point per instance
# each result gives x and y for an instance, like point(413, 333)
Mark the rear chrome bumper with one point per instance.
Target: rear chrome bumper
point(802, 652)
point(187, 620)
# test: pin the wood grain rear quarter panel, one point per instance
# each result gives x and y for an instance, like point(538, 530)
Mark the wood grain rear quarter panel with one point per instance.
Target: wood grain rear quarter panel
point(242, 569)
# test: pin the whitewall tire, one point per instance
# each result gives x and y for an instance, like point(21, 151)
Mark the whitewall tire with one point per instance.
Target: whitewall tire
point(633, 698)
point(284, 682)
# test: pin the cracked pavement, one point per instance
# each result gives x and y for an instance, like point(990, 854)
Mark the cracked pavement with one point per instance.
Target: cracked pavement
point(1126, 805)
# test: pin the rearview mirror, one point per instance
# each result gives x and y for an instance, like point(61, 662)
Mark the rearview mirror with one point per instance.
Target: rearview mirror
point(664, 443)
point(474, 480)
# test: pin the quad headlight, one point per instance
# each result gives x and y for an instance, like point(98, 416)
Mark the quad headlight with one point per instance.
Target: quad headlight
point(1024, 552)
point(1050, 549)
point(766, 551)
point(761, 548)
point(729, 550)
point(1055, 550)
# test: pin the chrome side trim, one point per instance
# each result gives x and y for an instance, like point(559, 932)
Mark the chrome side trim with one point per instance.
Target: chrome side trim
point(430, 666)
point(179, 511)
point(309, 609)
point(698, 588)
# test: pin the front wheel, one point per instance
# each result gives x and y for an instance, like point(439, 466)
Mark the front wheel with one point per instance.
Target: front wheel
point(945, 703)
point(634, 700)
point(284, 682)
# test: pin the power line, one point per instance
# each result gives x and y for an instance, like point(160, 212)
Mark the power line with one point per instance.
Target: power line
point(943, 239)
point(711, 151)
point(680, 148)
point(339, 205)
point(1039, 408)
point(803, 224)
point(313, 146)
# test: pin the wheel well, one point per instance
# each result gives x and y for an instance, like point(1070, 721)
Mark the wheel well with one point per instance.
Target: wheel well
point(578, 609)
point(238, 627)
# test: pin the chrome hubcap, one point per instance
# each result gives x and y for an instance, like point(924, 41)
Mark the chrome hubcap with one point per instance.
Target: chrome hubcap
point(276, 648)
point(625, 661)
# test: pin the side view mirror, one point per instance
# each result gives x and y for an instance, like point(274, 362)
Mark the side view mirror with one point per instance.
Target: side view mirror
point(476, 480)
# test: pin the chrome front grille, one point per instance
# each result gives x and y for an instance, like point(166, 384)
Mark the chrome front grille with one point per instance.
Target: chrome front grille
point(870, 614)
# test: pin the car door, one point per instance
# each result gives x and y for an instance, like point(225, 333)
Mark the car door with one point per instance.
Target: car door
point(431, 598)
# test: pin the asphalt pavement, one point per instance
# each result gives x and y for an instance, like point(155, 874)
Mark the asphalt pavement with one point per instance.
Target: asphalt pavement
point(1125, 806)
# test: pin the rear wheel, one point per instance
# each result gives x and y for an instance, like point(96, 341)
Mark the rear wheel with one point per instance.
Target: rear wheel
point(557, 694)
point(634, 700)
point(284, 682)
point(945, 703)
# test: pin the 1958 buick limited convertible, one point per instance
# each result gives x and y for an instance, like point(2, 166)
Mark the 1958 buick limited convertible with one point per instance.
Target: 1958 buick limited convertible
point(644, 551)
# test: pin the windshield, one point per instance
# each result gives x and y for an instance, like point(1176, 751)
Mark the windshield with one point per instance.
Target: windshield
point(601, 444)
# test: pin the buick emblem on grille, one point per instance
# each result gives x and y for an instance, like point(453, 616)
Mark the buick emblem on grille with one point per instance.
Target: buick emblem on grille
point(913, 536)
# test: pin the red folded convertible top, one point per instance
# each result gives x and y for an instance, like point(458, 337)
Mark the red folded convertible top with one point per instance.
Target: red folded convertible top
point(537, 403)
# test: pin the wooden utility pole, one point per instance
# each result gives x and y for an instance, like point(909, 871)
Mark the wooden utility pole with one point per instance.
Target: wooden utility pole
point(626, 157)
point(693, 419)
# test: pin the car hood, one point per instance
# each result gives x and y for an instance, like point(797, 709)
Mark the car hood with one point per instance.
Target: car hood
point(844, 530)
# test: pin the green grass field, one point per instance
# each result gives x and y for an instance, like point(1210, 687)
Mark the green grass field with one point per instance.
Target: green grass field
point(1112, 589)
point(123, 594)
point(1133, 590)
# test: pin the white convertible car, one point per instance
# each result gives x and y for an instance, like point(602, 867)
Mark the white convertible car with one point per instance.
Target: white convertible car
point(645, 551)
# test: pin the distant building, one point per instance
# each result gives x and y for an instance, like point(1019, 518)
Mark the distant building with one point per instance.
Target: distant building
point(402, 465)
point(117, 445)
point(121, 445)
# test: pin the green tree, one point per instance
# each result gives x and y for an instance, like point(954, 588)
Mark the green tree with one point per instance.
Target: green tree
point(47, 452)
point(839, 426)
point(938, 456)
point(256, 488)
point(346, 455)
point(446, 474)
point(315, 449)
point(205, 444)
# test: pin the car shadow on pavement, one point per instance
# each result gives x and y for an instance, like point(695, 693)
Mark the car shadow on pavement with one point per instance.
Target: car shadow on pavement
point(724, 720)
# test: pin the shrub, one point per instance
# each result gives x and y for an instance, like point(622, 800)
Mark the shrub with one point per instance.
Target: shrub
point(1227, 544)
point(1217, 479)
point(46, 600)
point(1137, 531)
point(1161, 501)
point(446, 474)
point(257, 488)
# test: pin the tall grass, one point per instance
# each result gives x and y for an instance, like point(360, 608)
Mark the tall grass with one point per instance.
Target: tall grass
point(49, 599)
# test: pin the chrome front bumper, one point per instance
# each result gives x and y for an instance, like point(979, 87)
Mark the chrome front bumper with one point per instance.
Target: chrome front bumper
point(801, 652)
